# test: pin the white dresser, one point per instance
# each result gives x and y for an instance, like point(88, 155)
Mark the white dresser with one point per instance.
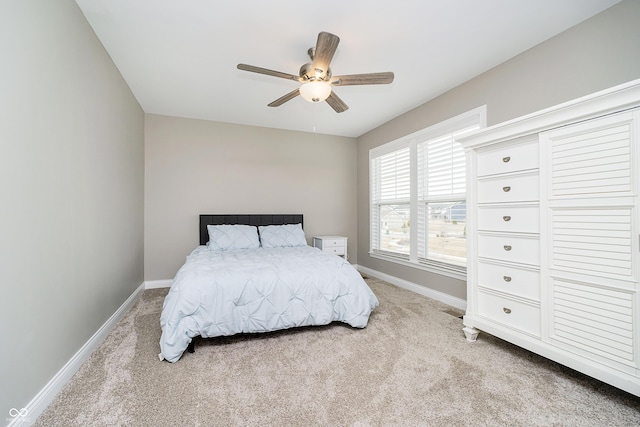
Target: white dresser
point(508, 239)
point(333, 244)
point(553, 234)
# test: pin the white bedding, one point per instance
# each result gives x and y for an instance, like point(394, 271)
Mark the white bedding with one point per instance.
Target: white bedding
point(258, 290)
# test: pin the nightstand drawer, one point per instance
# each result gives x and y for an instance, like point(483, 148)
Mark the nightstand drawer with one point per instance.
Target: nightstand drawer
point(332, 244)
point(338, 250)
point(515, 314)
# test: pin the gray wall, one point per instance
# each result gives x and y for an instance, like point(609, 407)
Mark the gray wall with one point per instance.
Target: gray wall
point(599, 53)
point(196, 166)
point(71, 191)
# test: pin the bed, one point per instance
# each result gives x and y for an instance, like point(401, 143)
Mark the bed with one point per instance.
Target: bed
point(256, 273)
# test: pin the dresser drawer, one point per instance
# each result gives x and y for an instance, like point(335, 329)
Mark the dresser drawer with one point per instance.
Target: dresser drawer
point(513, 280)
point(517, 188)
point(511, 158)
point(515, 314)
point(509, 248)
point(523, 219)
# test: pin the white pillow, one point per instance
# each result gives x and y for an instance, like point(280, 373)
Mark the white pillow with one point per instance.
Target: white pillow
point(280, 236)
point(232, 237)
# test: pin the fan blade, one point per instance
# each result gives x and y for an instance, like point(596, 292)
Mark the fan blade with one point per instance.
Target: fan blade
point(259, 70)
point(363, 79)
point(325, 48)
point(337, 103)
point(288, 97)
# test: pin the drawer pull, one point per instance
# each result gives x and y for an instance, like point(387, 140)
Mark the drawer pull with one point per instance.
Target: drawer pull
point(506, 189)
point(506, 218)
point(507, 278)
point(506, 159)
point(506, 310)
point(507, 247)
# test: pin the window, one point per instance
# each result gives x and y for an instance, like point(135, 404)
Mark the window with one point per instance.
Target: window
point(391, 195)
point(418, 197)
point(442, 201)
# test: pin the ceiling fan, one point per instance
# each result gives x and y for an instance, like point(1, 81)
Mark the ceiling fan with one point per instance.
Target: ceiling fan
point(316, 77)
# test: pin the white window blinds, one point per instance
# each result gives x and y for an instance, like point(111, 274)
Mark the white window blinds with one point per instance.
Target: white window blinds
point(441, 200)
point(418, 196)
point(391, 177)
point(441, 169)
point(391, 196)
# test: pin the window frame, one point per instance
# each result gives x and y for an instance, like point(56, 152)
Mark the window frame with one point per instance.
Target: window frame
point(475, 117)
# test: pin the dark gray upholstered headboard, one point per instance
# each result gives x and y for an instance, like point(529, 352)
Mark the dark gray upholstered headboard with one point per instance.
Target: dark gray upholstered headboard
point(250, 219)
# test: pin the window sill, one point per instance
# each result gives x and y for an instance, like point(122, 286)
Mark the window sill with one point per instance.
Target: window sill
point(460, 275)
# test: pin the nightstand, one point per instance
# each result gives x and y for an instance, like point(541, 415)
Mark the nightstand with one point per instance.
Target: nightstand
point(333, 244)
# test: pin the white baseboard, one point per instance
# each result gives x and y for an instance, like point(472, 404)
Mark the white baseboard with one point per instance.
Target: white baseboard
point(155, 284)
point(40, 402)
point(422, 290)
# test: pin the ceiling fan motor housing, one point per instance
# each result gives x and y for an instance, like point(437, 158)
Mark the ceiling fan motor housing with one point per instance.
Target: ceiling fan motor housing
point(308, 73)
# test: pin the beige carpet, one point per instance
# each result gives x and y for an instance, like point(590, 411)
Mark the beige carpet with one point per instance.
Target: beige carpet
point(411, 366)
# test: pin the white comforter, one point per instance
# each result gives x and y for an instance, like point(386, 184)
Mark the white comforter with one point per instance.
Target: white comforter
point(259, 290)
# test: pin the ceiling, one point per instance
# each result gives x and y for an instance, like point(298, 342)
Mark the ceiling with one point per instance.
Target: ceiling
point(179, 57)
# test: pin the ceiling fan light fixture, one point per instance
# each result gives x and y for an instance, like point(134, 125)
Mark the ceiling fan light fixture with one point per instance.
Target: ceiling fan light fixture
point(316, 79)
point(315, 91)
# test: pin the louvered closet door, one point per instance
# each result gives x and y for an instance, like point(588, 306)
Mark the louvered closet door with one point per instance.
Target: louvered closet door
point(592, 238)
